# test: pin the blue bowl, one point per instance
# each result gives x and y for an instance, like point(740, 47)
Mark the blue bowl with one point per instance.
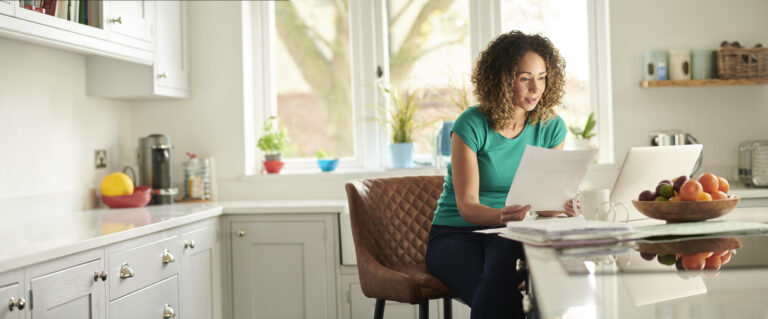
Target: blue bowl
point(328, 165)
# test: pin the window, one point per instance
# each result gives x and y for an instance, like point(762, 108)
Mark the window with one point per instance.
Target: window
point(317, 64)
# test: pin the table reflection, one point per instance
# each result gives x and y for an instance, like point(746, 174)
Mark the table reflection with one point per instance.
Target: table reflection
point(124, 219)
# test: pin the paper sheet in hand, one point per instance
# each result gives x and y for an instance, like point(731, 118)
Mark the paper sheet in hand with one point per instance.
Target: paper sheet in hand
point(547, 178)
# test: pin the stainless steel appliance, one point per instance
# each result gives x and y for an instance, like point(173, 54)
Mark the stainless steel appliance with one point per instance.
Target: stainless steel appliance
point(675, 137)
point(155, 167)
point(753, 163)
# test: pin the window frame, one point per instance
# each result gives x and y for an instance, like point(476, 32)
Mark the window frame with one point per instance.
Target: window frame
point(369, 52)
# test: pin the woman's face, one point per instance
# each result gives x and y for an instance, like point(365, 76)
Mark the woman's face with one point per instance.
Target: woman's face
point(530, 81)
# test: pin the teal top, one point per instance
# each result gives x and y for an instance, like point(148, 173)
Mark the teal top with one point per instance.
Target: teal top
point(497, 159)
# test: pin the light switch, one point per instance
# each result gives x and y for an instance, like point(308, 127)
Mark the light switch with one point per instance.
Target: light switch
point(100, 158)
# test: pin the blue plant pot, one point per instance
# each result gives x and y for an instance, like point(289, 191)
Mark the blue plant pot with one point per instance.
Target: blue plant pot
point(328, 165)
point(445, 138)
point(401, 155)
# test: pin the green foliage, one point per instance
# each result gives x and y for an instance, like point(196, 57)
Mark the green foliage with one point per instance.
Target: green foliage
point(460, 96)
point(400, 117)
point(586, 132)
point(274, 138)
point(320, 154)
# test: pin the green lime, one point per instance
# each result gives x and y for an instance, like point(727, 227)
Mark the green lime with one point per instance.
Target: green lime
point(660, 199)
point(667, 259)
point(667, 191)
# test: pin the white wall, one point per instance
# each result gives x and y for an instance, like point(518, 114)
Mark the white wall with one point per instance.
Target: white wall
point(719, 117)
point(49, 130)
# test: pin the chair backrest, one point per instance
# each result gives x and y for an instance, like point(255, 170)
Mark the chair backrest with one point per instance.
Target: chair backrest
point(391, 217)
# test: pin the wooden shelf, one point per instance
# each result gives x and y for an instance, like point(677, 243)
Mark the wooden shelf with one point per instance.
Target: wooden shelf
point(705, 82)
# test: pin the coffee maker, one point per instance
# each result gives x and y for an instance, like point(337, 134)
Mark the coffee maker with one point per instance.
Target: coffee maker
point(155, 167)
point(674, 137)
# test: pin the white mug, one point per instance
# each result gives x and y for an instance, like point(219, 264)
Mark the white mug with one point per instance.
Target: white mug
point(591, 200)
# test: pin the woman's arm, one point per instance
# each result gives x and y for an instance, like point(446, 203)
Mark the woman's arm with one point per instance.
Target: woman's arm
point(466, 184)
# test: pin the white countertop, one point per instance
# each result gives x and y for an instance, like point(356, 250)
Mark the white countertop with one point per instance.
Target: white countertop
point(30, 238)
point(741, 190)
point(733, 293)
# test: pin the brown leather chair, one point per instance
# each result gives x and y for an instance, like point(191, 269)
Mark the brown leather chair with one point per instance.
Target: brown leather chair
point(390, 219)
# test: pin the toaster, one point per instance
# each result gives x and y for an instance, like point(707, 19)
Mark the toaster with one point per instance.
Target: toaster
point(753, 163)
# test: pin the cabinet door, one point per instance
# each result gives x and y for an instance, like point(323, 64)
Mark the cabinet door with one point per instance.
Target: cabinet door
point(6, 7)
point(171, 48)
point(69, 293)
point(200, 274)
point(11, 291)
point(283, 269)
point(130, 22)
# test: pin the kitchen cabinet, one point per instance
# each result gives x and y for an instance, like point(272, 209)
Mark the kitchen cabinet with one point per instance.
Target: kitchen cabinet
point(284, 266)
point(166, 77)
point(159, 300)
point(13, 301)
point(6, 7)
point(69, 287)
point(130, 22)
point(97, 39)
point(703, 82)
point(201, 272)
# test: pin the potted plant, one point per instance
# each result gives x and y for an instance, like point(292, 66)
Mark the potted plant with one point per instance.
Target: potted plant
point(272, 143)
point(400, 119)
point(584, 135)
point(460, 98)
point(325, 163)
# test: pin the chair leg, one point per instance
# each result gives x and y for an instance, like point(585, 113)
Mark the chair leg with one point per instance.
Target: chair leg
point(447, 309)
point(378, 313)
point(424, 310)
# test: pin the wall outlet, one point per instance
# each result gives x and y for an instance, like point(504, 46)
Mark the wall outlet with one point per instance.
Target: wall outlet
point(100, 158)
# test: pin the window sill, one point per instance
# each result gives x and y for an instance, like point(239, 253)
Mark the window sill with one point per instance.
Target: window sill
point(345, 173)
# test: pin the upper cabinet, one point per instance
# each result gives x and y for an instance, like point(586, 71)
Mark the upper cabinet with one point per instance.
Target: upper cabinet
point(130, 22)
point(89, 27)
point(166, 77)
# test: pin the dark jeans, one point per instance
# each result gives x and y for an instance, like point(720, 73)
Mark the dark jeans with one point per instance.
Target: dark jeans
point(478, 268)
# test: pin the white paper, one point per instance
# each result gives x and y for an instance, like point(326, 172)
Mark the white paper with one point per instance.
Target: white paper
point(546, 179)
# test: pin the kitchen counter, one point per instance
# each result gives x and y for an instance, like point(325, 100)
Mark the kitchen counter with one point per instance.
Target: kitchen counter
point(34, 238)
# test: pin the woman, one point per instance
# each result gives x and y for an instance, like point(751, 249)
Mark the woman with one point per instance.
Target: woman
point(518, 80)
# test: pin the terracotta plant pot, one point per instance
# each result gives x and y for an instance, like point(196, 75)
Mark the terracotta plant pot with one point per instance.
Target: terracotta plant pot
point(273, 167)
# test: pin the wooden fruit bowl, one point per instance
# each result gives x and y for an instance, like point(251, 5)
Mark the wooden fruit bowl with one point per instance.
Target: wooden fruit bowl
point(675, 212)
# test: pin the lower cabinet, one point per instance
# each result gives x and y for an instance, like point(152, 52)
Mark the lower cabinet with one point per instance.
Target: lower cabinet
point(356, 305)
point(159, 300)
point(201, 273)
point(13, 300)
point(69, 287)
point(284, 266)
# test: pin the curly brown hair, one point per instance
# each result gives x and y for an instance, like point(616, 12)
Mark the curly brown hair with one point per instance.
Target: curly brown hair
point(494, 77)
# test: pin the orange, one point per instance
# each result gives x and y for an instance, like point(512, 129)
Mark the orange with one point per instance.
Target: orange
point(704, 196)
point(725, 258)
point(690, 190)
point(723, 185)
point(675, 199)
point(712, 262)
point(692, 262)
point(709, 182)
point(719, 195)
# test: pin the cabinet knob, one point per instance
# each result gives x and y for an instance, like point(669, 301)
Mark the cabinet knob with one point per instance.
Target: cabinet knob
point(103, 275)
point(241, 232)
point(163, 75)
point(189, 244)
point(168, 312)
point(21, 303)
point(520, 266)
point(118, 20)
point(125, 271)
point(11, 304)
point(168, 257)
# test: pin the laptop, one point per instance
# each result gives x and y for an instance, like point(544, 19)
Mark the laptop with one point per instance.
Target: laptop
point(644, 167)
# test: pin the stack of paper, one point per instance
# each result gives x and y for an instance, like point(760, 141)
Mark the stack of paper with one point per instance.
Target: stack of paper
point(569, 231)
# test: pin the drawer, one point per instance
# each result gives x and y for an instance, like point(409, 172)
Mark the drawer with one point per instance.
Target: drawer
point(146, 263)
point(154, 301)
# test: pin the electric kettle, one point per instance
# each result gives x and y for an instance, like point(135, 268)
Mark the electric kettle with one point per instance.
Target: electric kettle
point(674, 137)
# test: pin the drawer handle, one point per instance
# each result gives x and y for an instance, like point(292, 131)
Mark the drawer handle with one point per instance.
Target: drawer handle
point(241, 232)
point(168, 257)
point(163, 75)
point(168, 312)
point(189, 244)
point(125, 271)
point(102, 275)
point(118, 20)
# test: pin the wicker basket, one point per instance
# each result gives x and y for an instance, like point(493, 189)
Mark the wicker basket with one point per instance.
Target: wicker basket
point(733, 63)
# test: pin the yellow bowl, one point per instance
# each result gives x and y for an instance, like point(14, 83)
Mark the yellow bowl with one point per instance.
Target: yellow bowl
point(684, 211)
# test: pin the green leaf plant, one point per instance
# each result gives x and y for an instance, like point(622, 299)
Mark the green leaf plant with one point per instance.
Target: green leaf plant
point(401, 117)
point(274, 138)
point(586, 132)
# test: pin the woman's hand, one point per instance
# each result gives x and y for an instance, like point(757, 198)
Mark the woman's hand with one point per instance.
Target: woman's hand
point(513, 213)
point(570, 210)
